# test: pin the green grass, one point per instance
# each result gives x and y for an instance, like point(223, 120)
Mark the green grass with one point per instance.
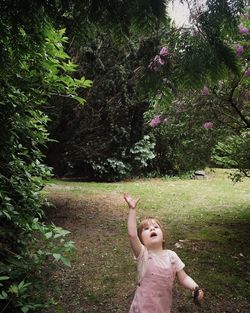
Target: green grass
point(212, 216)
point(175, 200)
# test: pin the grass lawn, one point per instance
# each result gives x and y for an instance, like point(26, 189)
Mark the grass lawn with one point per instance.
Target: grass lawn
point(207, 224)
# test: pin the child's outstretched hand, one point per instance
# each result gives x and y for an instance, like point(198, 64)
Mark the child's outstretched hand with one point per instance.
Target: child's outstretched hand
point(132, 203)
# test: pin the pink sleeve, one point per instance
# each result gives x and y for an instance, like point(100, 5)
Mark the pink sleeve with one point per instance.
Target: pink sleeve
point(142, 254)
point(178, 262)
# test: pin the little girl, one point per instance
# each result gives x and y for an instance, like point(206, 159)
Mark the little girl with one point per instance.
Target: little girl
point(157, 267)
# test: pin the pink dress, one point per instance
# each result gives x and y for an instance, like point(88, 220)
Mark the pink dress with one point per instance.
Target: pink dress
point(154, 290)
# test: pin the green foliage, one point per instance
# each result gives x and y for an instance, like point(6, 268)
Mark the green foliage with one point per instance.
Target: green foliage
point(130, 164)
point(121, 20)
point(143, 152)
point(203, 56)
point(34, 67)
point(202, 52)
point(98, 137)
point(182, 144)
point(38, 246)
point(110, 169)
point(110, 40)
point(230, 102)
point(233, 152)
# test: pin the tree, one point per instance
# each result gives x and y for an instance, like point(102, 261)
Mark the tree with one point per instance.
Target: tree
point(99, 137)
point(206, 79)
point(95, 141)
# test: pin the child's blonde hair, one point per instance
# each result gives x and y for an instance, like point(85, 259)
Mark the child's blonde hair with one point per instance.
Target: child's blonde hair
point(145, 222)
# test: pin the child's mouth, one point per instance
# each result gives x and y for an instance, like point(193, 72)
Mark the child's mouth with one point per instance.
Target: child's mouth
point(153, 235)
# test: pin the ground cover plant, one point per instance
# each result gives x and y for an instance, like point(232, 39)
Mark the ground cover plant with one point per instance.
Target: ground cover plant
point(207, 223)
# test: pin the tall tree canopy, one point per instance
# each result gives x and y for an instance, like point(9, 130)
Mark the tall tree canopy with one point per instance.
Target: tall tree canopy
point(129, 71)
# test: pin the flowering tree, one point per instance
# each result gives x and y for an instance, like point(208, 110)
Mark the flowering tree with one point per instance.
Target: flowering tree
point(160, 72)
point(233, 97)
point(205, 72)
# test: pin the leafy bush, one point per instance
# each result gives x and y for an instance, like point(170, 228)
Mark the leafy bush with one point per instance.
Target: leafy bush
point(137, 159)
point(34, 66)
point(182, 141)
point(142, 153)
point(233, 152)
point(110, 169)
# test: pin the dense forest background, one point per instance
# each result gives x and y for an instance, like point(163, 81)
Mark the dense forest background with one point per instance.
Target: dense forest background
point(107, 90)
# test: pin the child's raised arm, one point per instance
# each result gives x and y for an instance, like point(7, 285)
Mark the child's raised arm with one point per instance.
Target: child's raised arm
point(136, 245)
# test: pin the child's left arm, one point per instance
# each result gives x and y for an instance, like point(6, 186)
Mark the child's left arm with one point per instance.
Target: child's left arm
point(187, 282)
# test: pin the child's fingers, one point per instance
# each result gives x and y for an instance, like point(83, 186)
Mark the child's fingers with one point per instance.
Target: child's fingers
point(201, 294)
point(198, 296)
point(130, 201)
point(126, 197)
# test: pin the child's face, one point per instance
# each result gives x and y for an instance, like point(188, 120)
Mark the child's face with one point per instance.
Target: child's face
point(152, 235)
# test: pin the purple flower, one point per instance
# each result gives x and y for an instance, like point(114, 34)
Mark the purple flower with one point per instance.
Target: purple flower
point(155, 121)
point(243, 30)
point(164, 52)
point(158, 60)
point(247, 72)
point(239, 49)
point(208, 125)
point(205, 91)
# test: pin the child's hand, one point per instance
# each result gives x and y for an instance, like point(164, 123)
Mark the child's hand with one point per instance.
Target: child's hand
point(132, 203)
point(198, 295)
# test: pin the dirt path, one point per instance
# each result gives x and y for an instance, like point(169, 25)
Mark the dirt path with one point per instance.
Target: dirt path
point(103, 275)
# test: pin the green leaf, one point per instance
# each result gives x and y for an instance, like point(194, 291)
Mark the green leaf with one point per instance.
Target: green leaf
point(7, 215)
point(14, 289)
point(49, 235)
point(60, 232)
point(4, 278)
point(25, 309)
point(66, 261)
point(88, 83)
point(3, 295)
point(79, 99)
point(21, 284)
point(57, 256)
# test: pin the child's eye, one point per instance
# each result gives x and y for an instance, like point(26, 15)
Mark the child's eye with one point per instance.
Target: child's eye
point(146, 228)
point(156, 226)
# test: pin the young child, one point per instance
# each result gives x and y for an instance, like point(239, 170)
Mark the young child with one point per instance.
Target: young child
point(157, 267)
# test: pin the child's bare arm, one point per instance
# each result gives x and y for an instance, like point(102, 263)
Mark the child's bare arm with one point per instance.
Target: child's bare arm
point(187, 282)
point(132, 227)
